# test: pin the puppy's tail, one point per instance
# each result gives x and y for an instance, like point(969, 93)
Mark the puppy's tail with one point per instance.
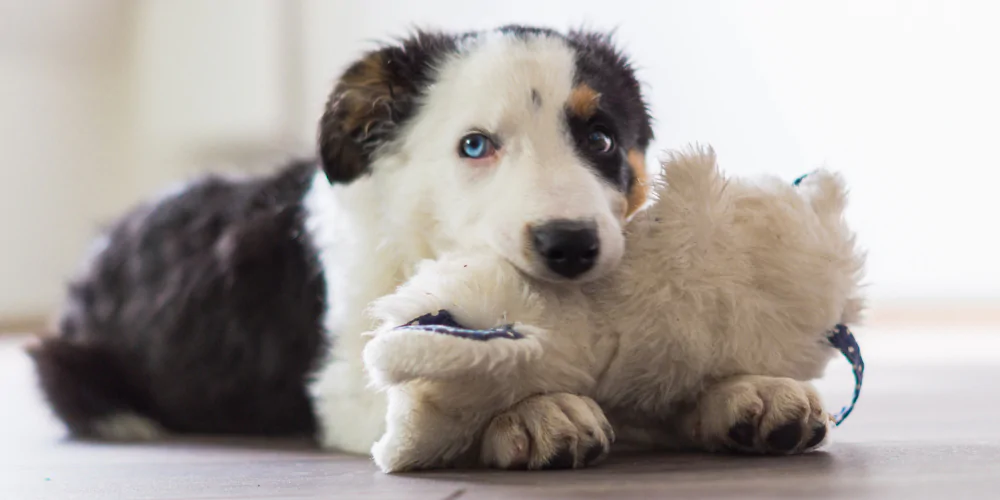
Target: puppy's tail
point(87, 389)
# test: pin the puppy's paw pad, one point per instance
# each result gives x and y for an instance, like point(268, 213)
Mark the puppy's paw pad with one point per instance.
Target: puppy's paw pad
point(743, 434)
point(761, 415)
point(818, 432)
point(785, 438)
point(595, 453)
point(565, 458)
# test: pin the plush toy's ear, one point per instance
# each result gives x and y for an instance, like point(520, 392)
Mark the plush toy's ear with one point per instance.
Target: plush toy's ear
point(372, 100)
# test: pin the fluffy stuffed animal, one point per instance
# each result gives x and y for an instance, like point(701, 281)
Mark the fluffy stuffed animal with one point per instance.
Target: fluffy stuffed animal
point(705, 337)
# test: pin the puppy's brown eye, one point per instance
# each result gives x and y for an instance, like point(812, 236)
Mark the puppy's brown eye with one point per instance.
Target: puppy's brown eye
point(600, 142)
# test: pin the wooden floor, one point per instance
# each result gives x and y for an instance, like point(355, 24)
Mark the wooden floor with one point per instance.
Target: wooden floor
point(927, 426)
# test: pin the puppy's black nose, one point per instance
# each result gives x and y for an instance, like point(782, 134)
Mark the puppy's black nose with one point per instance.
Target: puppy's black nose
point(569, 247)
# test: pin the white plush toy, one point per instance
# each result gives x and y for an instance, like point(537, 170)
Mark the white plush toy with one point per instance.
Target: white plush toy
point(704, 338)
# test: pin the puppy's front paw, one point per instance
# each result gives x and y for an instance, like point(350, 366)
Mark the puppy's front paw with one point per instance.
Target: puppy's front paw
point(760, 415)
point(549, 431)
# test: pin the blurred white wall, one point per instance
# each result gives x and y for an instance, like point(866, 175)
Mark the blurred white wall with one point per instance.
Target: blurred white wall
point(898, 95)
point(216, 84)
point(903, 97)
point(61, 119)
point(107, 101)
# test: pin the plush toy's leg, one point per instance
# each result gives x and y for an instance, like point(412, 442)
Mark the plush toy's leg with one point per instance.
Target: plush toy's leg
point(396, 356)
point(548, 431)
point(443, 386)
point(426, 429)
point(758, 415)
point(442, 391)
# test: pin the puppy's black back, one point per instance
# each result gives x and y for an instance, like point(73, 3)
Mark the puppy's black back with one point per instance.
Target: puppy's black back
point(202, 312)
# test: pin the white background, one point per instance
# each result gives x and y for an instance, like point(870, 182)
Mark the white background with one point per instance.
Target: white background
point(105, 101)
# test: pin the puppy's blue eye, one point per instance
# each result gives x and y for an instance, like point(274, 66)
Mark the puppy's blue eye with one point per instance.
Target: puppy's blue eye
point(476, 146)
point(600, 142)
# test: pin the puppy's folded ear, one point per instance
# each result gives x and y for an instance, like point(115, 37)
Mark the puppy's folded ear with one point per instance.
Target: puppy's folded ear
point(373, 98)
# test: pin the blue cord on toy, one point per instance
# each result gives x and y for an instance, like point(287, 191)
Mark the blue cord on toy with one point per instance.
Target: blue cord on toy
point(843, 340)
point(840, 337)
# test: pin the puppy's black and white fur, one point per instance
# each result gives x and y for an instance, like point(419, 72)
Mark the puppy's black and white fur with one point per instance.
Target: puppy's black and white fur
point(237, 305)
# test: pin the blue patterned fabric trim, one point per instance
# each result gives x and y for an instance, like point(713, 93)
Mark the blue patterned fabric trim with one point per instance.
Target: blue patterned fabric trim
point(843, 340)
point(444, 323)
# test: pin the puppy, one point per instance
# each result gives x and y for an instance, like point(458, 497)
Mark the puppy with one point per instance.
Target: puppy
point(238, 305)
point(704, 337)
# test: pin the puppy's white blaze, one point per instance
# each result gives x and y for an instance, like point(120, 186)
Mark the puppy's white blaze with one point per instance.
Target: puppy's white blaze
point(538, 175)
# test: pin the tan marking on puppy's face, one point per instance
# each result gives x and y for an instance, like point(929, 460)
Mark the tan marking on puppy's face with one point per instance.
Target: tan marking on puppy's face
point(583, 101)
point(639, 192)
point(358, 112)
point(365, 88)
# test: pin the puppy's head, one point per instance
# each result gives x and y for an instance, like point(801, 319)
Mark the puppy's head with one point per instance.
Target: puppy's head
point(524, 140)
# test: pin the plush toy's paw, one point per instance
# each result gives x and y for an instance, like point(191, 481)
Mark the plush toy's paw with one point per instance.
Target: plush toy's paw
point(549, 431)
point(396, 356)
point(760, 415)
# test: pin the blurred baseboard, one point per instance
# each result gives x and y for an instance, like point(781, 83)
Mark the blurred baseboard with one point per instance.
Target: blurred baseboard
point(23, 324)
point(934, 313)
point(901, 313)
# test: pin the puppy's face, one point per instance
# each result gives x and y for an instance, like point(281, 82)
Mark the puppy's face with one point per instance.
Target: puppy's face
point(529, 142)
